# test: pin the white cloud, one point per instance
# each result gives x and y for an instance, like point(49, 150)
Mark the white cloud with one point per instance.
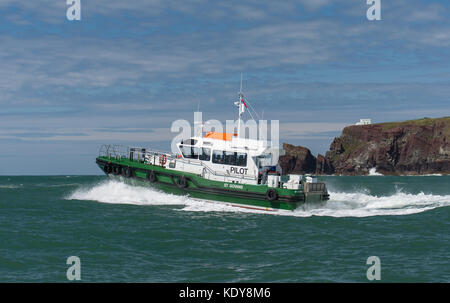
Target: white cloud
point(314, 4)
point(295, 130)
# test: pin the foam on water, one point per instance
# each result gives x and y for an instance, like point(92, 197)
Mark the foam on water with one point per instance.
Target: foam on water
point(373, 172)
point(341, 204)
point(10, 186)
point(116, 192)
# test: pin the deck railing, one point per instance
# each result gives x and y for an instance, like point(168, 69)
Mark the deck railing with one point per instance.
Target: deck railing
point(132, 153)
point(114, 151)
point(145, 155)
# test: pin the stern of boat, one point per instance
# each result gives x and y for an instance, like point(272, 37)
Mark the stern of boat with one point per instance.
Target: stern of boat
point(316, 192)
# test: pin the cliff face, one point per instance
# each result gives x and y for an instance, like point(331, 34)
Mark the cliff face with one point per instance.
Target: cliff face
point(299, 160)
point(400, 148)
point(410, 147)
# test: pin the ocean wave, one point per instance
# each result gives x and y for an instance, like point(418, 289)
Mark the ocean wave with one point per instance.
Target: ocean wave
point(116, 192)
point(341, 204)
point(427, 175)
point(59, 185)
point(360, 204)
point(349, 205)
point(10, 186)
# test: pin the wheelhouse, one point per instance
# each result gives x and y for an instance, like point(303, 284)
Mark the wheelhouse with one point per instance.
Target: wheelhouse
point(227, 155)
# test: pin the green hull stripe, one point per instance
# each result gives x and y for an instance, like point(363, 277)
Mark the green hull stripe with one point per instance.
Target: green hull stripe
point(198, 187)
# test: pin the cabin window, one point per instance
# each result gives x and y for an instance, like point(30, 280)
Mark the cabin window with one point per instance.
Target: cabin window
point(241, 159)
point(189, 142)
point(229, 158)
point(189, 152)
point(205, 154)
point(218, 157)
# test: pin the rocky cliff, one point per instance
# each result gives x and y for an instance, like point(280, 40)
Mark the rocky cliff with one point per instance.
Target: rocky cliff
point(298, 159)
point(409, 147)
point(398, 148)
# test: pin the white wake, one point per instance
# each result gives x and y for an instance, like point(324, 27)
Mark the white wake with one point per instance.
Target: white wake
point(116, 192)
point(357, 204)
point(341, 204)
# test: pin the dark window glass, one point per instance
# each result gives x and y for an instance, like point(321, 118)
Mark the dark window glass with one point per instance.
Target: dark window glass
point(230, 158)
point(205, 155)
point(241, 159)
point(189, 142)
point(218, 157)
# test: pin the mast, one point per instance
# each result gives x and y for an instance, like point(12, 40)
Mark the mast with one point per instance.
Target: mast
point(240, 109)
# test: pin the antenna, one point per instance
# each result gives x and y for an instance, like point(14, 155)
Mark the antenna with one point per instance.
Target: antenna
point(240, 110)
point(240, 90)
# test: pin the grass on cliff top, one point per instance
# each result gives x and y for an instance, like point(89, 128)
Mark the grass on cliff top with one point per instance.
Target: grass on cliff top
point(351, 144)
point(418, 122)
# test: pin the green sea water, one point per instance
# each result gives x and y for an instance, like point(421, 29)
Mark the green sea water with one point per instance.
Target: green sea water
point(129, 233)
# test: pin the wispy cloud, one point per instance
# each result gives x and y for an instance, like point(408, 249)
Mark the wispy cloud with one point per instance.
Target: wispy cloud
point(314, 4)
point(130, 68)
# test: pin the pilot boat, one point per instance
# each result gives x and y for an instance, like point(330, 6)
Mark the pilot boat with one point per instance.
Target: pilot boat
point(219, 167)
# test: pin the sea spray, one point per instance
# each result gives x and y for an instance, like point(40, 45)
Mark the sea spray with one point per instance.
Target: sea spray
point(341, 204)
point(116, 192)
point(358, 204)
point(373, 172)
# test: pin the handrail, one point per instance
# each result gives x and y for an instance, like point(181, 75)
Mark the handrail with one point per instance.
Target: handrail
point(114, 151)
point(124, 151)
point(121, 151)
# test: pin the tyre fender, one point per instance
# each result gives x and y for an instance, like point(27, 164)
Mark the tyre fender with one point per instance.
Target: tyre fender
point(271, 195)
point(117, 170)
point(151, 176)
point(181, 182)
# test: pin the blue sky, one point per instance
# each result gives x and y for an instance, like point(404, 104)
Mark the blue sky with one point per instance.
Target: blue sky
point(129, 68)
